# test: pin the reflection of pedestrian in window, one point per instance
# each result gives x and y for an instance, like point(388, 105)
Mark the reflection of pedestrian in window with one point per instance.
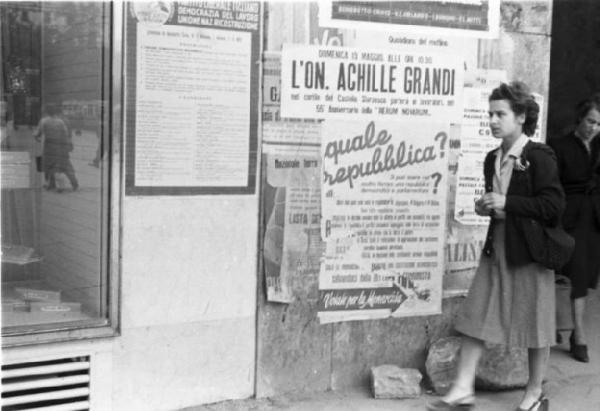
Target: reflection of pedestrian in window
point(57, 146)
point(99, 152)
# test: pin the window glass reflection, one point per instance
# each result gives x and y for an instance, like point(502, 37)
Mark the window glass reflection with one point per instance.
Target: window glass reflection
point(54, 131)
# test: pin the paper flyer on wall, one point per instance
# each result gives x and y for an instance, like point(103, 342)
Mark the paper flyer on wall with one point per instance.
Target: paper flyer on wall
point(401, 84)
point(292, 246)
point(271, 86)
point(476, 142)
point(462, 249)
point(383, 204)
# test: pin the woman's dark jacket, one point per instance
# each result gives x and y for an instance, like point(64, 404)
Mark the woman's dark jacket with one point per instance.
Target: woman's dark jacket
point(546, 202)
point(579, 176)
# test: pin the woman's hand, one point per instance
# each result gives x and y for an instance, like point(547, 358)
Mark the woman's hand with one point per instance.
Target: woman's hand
point(480, 209)
point(493, 201)
point(489, 202)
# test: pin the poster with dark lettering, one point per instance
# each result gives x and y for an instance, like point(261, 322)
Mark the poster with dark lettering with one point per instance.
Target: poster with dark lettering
point(383, 196)
point(193, 97)
point(401, 84)
point(291, 191)
point(467, 18)
point(293, 227)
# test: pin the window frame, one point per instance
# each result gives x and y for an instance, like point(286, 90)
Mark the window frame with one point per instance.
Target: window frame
point(108, 326)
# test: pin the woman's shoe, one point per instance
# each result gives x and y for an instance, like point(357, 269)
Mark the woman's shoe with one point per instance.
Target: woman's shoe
point(578, 351)
point(541, 404)
point(465, 403)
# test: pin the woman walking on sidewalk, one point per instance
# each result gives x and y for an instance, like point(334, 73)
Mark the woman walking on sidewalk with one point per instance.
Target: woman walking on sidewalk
point(511, 300)
point(578, 156)
point(57, 145)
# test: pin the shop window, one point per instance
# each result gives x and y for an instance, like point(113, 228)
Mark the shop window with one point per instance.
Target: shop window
point(59, 153)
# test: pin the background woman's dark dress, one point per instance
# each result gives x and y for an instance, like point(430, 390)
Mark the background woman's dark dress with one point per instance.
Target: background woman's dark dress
point(582, 214)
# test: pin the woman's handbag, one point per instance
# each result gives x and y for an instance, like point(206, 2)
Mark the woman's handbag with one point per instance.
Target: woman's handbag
point(552, 247)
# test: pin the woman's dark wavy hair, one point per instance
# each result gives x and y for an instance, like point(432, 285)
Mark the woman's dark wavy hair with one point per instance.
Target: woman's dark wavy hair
point(521, 102)
point(584, 107)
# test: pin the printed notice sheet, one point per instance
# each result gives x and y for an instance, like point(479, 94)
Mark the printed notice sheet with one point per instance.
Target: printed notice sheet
point(383, 197)
point(193, 106)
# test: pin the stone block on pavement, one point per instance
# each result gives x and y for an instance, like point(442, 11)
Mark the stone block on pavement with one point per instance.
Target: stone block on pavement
point(500, 367)
point(391, 381)
point(440, 364)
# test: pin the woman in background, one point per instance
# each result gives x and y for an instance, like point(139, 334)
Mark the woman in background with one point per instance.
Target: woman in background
point(511, 300)
point(578, 156)
point(57, 145)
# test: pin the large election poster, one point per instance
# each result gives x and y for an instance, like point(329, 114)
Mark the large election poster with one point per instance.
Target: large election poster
point(401, 84)
point(193, 97)
point(383, 219)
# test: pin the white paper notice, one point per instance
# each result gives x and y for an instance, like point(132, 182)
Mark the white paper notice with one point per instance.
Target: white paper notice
point(383, 204)
point(476, 141)
point(198, 79)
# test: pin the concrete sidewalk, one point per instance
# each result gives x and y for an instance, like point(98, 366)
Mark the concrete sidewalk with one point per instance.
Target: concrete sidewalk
point(570, 385)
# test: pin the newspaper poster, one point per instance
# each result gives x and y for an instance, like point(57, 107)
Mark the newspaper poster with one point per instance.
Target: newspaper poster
point(383, 219)
point(465, 18)
point(363, 83)
point(188, 124)
point(292, 208)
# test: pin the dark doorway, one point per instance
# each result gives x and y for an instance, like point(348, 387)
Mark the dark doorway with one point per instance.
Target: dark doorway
point(574, 60)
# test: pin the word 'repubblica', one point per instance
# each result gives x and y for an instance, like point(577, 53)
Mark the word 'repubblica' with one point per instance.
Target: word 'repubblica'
point(386, 156)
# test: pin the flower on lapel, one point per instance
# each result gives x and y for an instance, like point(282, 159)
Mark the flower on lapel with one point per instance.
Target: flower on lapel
point(521, 164)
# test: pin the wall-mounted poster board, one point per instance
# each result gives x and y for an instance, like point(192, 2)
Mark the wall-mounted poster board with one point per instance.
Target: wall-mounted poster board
point(192, 97)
